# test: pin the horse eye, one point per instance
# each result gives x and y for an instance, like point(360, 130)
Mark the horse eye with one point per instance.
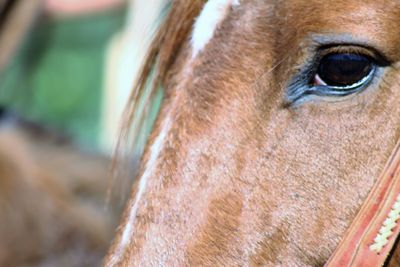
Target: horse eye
point(344, 70)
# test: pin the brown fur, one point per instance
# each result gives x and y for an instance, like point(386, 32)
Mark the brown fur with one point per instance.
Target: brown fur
point(243, 177)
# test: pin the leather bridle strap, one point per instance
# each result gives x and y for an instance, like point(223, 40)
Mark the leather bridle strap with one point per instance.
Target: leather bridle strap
point(373, 232)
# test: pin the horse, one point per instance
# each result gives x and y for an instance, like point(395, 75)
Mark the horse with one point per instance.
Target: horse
point(276, 121)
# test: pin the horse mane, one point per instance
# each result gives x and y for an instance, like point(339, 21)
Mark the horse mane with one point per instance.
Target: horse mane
point(161, 54)
point(167, 42)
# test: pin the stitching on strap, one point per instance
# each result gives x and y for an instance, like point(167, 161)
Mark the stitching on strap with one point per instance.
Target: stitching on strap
point(385, 231)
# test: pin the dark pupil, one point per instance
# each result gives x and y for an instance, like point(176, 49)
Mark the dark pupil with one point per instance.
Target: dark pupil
point(343, 69)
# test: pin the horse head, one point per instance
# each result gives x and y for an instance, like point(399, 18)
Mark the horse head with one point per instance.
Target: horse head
point(277, 118)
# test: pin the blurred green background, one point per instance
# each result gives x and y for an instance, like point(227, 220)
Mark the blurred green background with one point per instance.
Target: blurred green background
point(56, 78)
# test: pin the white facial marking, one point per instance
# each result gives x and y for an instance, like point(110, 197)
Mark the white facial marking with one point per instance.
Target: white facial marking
point(150, 166)
point(213, 13)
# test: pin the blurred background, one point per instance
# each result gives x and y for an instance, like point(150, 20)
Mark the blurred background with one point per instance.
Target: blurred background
point(66, 71)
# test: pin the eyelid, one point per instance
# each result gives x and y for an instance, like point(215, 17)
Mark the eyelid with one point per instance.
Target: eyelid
point(383, 56)
point(378, 58)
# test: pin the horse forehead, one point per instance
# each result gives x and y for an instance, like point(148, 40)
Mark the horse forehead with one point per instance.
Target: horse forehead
point(352, 9)
point(375, 20)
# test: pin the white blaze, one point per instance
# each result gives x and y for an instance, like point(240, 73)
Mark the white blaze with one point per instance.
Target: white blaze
point(213, 13)
point(150, 167)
